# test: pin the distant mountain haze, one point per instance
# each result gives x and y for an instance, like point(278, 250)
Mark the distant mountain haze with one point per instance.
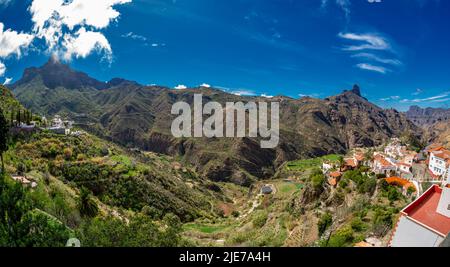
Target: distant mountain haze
point(140, 116)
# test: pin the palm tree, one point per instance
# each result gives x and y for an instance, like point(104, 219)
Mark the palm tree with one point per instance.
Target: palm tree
point(86, 204)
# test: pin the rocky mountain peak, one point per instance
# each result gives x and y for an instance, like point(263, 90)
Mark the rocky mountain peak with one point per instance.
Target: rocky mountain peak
point(356, 90)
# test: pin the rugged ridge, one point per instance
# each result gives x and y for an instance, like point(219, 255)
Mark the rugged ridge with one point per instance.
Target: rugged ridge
point(139, 116)
point(427, 116)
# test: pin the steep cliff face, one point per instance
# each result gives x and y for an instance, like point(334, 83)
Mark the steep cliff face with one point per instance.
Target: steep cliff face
point(140, 116)
point(427, 116)
point(435, 123)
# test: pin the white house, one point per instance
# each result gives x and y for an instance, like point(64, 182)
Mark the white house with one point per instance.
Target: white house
point(439, 162)
point(383, 165)
point(425, 222)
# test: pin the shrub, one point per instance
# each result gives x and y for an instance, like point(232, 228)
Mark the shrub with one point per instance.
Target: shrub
point(68, 153)
point(325, 221)
point(260, 219)
point(357, 224)
point(317, 179)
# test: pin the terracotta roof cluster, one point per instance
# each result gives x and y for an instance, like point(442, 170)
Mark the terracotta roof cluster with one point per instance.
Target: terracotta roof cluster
point(399, 182)
point(383, 162)
point(336, 174)
point(351, 163)
point(359, 156)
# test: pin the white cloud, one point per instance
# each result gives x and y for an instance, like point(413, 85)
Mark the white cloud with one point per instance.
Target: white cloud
point(309, 95)
point(5, 2)
point(370, 67)
point(12, 42)
point(134, 36)
point(72, 27)
point(266, 96)
point(83, 42)
point(2, 69)
point(180, 87)
point(378, 59)
point(345, 6)
point(438, 98)
point(418, 91)
point(369, 41)
point(7, 81)
point(205, 85)
point(243, 92)
point(395, 97)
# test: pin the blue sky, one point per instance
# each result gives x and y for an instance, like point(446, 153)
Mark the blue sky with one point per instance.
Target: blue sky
point(397, 50)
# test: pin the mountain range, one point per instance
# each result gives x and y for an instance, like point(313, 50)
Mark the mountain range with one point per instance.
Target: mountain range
point(140, 116)
point(434, 121)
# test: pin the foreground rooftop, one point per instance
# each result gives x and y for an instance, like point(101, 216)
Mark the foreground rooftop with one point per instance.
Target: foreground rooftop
point(424, 211)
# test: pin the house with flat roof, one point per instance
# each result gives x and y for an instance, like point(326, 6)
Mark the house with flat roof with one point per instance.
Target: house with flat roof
point(425, 222)
point(439, 162)
point(383, 165)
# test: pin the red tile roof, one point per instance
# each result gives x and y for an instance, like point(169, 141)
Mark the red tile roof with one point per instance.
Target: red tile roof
point(400, 182)
point(336, 174)
point(423, 210)
point(359, 156)
point(332, 181)
point(382, 161)
point(351, 163)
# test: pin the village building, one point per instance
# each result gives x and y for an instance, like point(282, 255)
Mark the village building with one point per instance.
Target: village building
point(383, 165)
point(327, 166)
point(334, 177)
point(395, 149)
point(58, 126)
point(425, 222)
point(439, 161)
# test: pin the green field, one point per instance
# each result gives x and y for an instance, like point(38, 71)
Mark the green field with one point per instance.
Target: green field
point(204, 228)
point(305, 164)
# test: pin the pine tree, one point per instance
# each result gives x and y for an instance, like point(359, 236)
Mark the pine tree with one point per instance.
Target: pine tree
point(18, 117)
point(12, 117)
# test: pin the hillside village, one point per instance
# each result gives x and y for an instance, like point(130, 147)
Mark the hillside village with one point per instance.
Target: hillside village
point(425, 175)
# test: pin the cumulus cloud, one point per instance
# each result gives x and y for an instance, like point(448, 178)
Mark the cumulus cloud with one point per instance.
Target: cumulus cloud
point(72, 28)
point(7, 81)
point(83, 42)
point(370, 67)
point(205, 85)
point(2, 69)
point(368, 41)
point(180, 87)
point(12, 42)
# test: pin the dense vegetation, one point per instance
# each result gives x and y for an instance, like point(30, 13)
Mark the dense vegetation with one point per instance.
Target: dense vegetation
point(92, 190)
